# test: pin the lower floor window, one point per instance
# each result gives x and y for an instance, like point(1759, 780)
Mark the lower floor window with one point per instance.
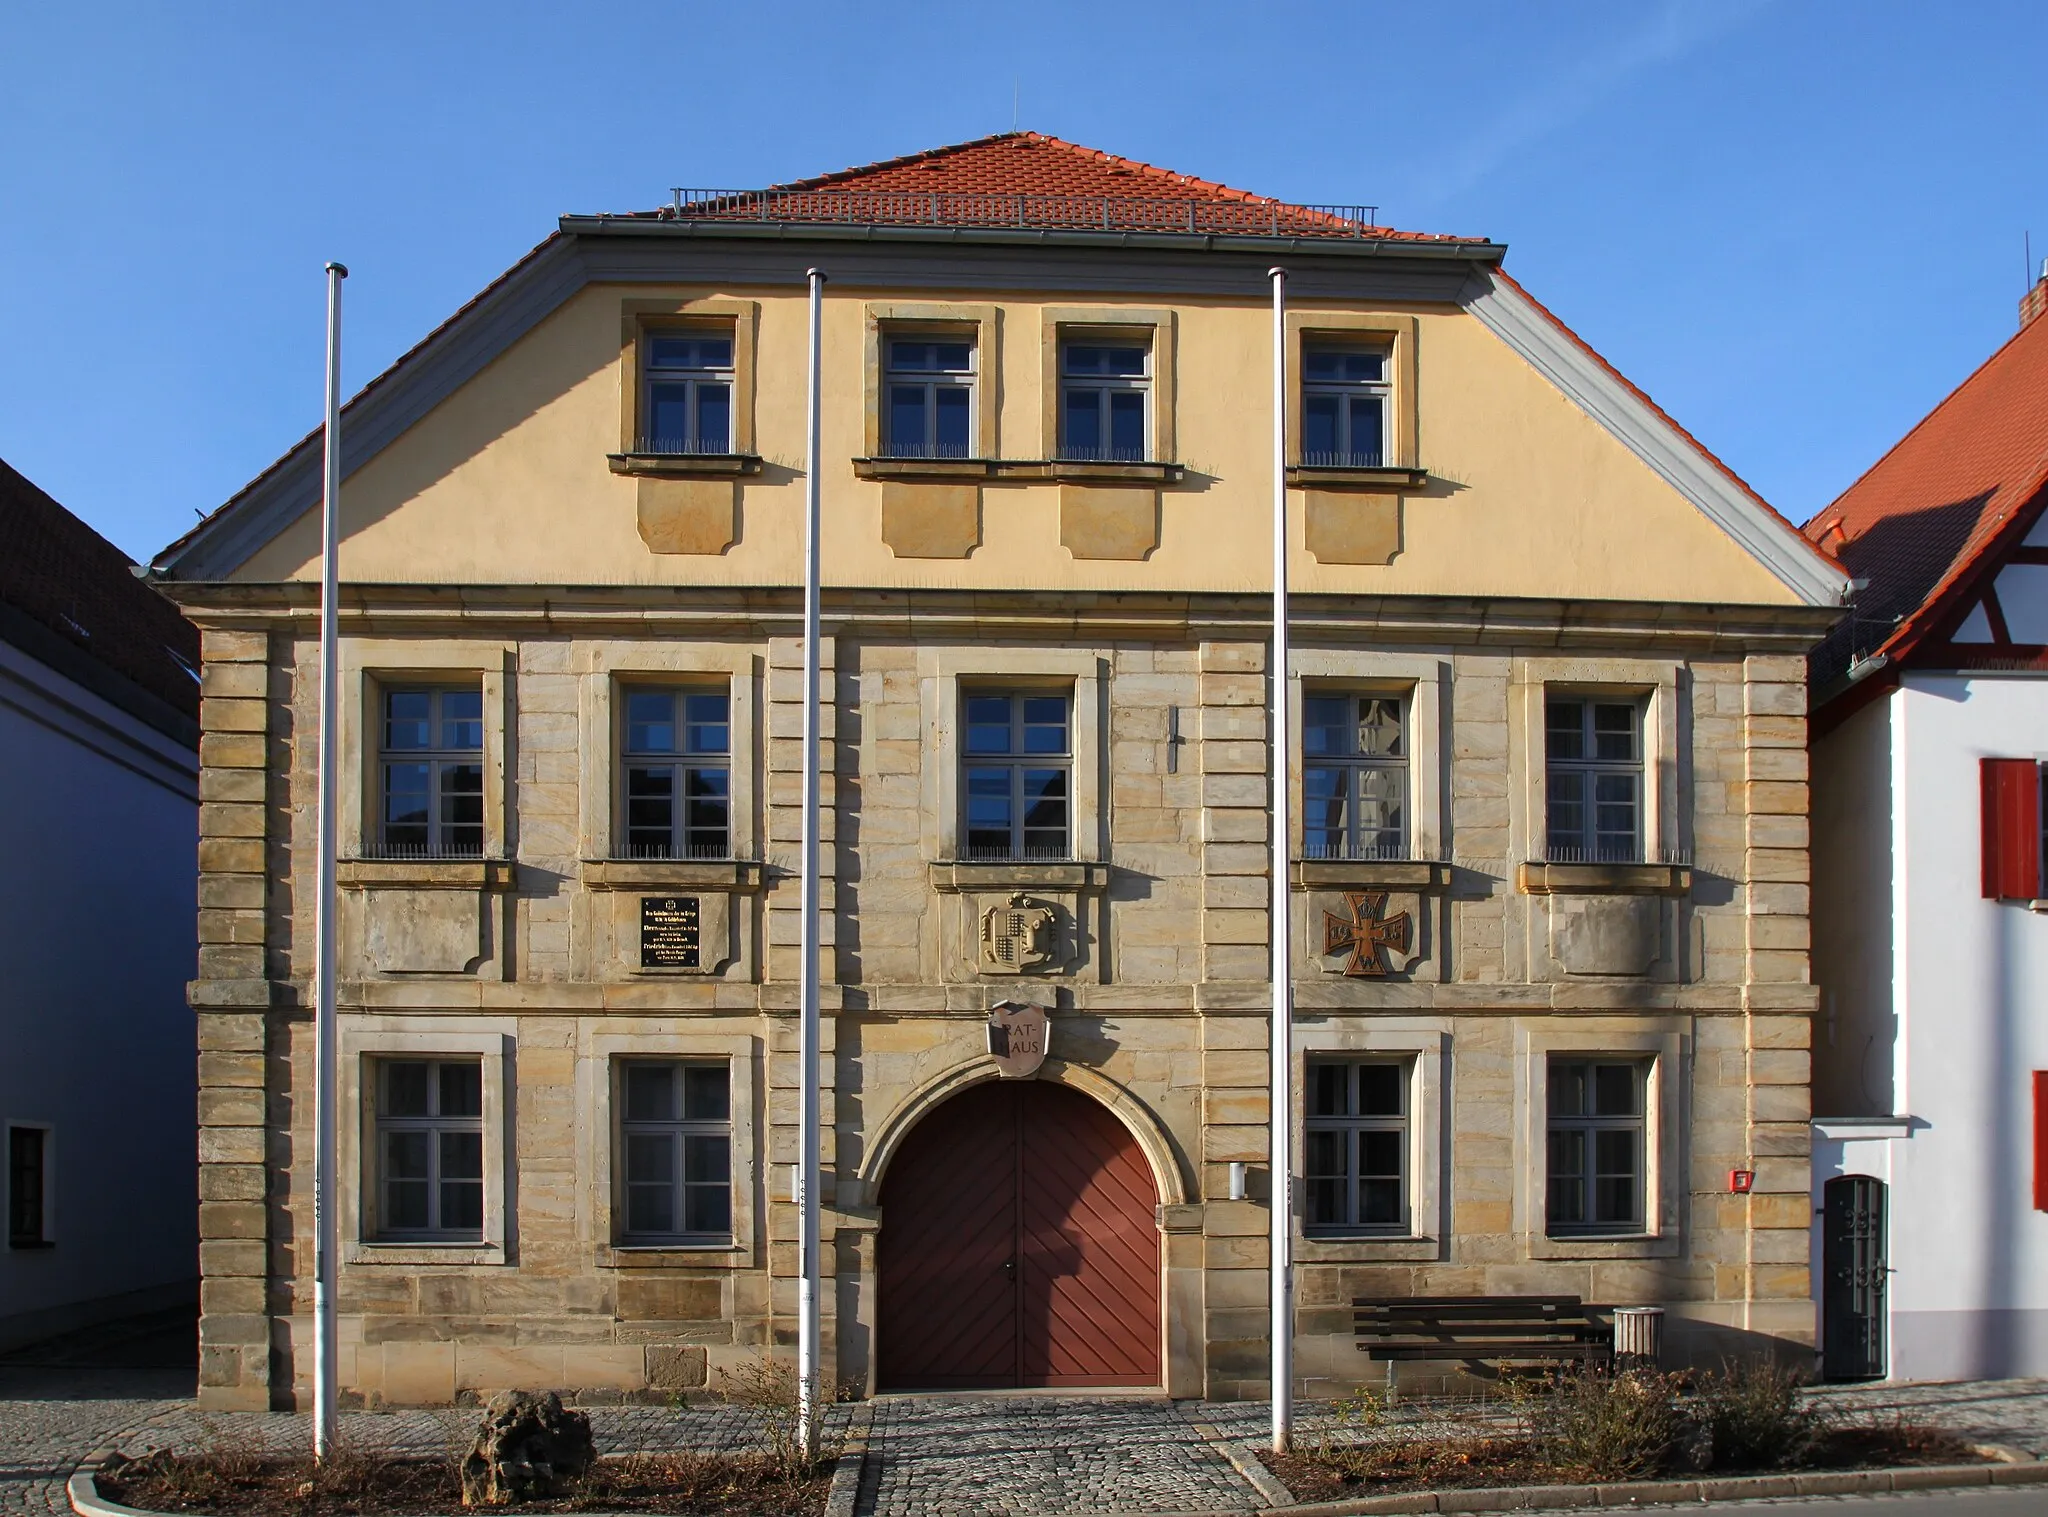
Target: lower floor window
point(28, 1211)
point(430, 1149)
point(1596, 1146)
point(675, 1151)
point(1357, 1160)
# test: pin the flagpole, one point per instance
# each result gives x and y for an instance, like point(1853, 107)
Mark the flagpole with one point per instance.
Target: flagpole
point(807, 1038)
point(1281, 1105)
point(326, 1232)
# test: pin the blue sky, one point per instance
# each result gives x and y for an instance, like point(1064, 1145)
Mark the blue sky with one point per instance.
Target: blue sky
point(1797, 225)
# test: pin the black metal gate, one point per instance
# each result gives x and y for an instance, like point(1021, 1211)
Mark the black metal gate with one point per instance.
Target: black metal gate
point(1853, 1278)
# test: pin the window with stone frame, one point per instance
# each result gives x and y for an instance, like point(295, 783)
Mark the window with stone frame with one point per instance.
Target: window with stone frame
point(428, 1156)
point(1016, 780)
point(1354, 778)
point(1597, 1147)
point(686, 385)
point(430, 765)
point(1356, 1130)
point(1105, 399)
point(1593, 779)
point(675, 768)
point(674, 1156)
point(1345, 401)
point(928, 388)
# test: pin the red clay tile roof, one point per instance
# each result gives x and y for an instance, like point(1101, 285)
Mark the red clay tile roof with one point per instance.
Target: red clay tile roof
point(1938, 510)
point(58, 572)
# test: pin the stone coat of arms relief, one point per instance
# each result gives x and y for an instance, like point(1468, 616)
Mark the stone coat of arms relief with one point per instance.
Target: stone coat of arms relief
point(1020, 936)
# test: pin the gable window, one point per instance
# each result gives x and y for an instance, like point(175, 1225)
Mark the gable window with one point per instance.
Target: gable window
point(432, 773)
point(1105, 401)
point(1596, 1146)
point(675, 1151)
point(930, 385)
point(1354, 776)
point(1593, 758)
point(28, 1189)
point(677, 763)
point(1357, 1157)
point(430, 1150)
point(1017, 762)
point(686, 392)
point(1344, 402)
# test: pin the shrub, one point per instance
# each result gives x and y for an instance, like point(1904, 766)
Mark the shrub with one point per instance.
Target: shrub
point(1755, 1417)
point(1596, 1425)
point(767, 1387)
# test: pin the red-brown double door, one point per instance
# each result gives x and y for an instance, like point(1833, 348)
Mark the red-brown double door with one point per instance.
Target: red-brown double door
point(1019, 1247)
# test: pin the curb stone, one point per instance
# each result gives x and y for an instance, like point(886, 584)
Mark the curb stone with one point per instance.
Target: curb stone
point(1272, 1491)
point(1923, 1477)
point(846, 1471)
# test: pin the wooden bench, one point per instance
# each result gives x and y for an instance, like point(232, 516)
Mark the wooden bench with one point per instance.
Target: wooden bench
point(1470, 1328)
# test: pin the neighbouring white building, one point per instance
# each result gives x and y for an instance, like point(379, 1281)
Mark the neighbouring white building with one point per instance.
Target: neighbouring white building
point(99, 811)
point(1930, 901)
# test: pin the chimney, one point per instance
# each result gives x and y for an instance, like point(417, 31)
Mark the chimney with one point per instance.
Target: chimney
point(2035, 301)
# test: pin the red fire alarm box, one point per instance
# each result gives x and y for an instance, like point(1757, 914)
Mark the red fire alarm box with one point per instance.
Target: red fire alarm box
point(1741, 1180)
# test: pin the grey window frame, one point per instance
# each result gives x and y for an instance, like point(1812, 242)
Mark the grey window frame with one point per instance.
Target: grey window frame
point(693, 378)
point(1380, 390)
point(1353, 763)
point(930, 381)
point(434, 1124)
point(1352, 1123)
point(36, 1235)
point(1586, 771)
point(680, 1130)
point(680, 763)
point(1586, 1126)
point(1103, 385)
point(439, 761)
point(1016, 761)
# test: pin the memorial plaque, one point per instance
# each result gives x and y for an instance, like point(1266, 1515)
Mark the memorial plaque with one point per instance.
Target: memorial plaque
point(670, 928)
point(1017, 1038)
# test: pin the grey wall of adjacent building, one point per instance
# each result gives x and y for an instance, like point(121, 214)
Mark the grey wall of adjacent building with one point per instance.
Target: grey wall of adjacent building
point(98, 832)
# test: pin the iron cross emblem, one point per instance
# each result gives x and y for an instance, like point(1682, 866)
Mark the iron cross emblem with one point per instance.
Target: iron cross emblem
point(1367, 934)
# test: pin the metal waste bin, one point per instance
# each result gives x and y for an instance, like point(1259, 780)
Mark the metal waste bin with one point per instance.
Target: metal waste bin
point(1638, 1336)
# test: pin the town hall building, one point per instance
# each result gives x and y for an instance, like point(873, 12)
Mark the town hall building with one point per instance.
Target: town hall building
point(1550, 957)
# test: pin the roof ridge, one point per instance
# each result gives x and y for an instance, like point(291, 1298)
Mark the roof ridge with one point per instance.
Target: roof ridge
point(930, 155)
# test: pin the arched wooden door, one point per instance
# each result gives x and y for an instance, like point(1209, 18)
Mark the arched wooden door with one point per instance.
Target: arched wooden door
point(1019, 1247)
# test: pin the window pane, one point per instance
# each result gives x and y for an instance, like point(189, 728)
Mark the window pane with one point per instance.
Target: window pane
point(706, 1158)
point(462, 1155)
point(1615, 1090)
point(406, 1089)
point(1129, 361)
point(1564, 734)
point(714, 418)
point(650, 1159)
point(1379, 1202)
point(1127, 423)
point(1367, 421)
point(1084, 360)
point(708, 1209)
point(1329, 1093)
point(1379, 728)
point(462, 719)
point(906, 419)
point(1567, 1167)
point(651, 1209)
point(406, 805)
point(988, 810)
point(988, 724)
point(1083, 427)
point(651, 1093)
point(1321, 363)
point(406, 1155)
point(462, 1206)
point(1045, 808)
point(1326, 1201)
point(1379, 1152)
point(1045, 723)
point(1380, 1089)
point(405, 1205)
point(953, 357)
point(950, 421)
point(1567, 819)
point(1614, 732)
point(1323, 798)
point(668, 418)
point(650, 722)
point(1567, 1089)
point(1319, 428)
point(462, 1090)
point(706, 1097)
point(910, 355)
point(406, 719)
point(1325, 725)
point(708, 729)
point(1381, 794)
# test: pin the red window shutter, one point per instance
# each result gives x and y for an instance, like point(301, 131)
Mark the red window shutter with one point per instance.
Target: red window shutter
point(2041, 1140)
point(2012, 829)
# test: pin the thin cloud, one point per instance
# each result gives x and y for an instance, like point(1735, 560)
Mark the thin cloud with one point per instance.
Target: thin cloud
point(1679, 27)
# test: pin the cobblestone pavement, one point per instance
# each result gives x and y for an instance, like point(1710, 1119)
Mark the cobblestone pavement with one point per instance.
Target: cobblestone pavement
point(941, 1456)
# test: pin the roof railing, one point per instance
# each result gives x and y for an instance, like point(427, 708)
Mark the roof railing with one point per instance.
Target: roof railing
point(1074, 213)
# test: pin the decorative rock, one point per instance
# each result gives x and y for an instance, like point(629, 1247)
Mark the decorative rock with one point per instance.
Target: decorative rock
point(529, 1447)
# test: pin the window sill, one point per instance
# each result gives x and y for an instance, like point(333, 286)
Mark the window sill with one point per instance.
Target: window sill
point(675, 1256)
point(1388, 478)
point(1074, 470)
point(1605, 879)
point(671, 874)
point(427, 874)
point(685, 465)
point(953, 876)
point(1345, 1248)
point(1604, 1246)
point(1427, 875)
point(424, 1253)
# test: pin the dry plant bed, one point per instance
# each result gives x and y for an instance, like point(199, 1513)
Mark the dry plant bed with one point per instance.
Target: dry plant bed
point(1592, 1427)
point(228, 1482)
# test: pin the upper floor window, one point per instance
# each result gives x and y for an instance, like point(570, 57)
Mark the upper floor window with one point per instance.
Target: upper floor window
point(28, 1212)
point(1105, 397)
point(1344, 396)
point(1356, 1167)
point(675, 1151)
point(677, 761)
point(687, 380)
point(1354, 777)
point(1593, 764)
point(1017, 762)
point(1596, 1162)
point(430, 1149)
point(930, 385)
point(431, 766)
